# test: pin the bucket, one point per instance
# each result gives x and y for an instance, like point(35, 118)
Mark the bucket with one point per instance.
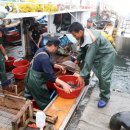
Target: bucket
point(10, 61)
point(21, 63)
point(75, 92)
point(20, 72)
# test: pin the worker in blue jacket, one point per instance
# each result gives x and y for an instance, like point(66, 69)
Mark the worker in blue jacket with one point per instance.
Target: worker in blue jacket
point(41, 71)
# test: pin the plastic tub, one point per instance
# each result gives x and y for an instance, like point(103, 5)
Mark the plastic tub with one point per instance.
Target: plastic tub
point(10, 61)
point(21, 63)
point(75, 93)
point(20, 72)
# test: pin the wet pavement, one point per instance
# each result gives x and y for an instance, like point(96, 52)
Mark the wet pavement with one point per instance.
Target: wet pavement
point(120, 83)
point(94, 118)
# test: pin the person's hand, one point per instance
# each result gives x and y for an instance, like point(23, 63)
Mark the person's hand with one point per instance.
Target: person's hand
point(61, 68)
point(80, 79)
point(6, 57)
point(37, 45)
point(67, 88)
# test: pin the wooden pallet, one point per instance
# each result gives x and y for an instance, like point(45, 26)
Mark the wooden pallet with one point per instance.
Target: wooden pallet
point(16, 110)
point(15, 89)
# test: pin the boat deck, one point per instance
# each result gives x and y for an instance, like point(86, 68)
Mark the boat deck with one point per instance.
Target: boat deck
point(64, 109)
point(94, 118)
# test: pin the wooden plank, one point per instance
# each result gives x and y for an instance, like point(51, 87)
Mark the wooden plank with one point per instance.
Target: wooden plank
point(15, 110)
point(65, 111)
point(73, 108)
point(31, 110)
point(49, 105)
point(9, 110)
point(61, 110)
point(11, 101)
point(22, 111)
point(50, 117)
point(24, 118)
point(14, 89)
point(76, 105)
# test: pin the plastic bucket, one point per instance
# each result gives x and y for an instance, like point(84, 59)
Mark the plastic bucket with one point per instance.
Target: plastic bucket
point(10, 61)
point(20, 72)
point(21, 63)
point(75, 93)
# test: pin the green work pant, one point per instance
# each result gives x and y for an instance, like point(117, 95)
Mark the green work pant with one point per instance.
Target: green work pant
point(3, 76)
point(103, 70)
point(35, 88)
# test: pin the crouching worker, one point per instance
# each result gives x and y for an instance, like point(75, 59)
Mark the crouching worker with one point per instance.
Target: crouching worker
point(98, 55)
point(41, 71)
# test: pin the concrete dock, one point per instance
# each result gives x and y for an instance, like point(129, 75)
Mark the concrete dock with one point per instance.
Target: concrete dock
point(94, 118)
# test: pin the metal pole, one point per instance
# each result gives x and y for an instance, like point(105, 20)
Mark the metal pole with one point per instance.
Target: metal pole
point(23, 38)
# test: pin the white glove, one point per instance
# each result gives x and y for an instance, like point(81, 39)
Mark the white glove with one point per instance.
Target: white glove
point(6, 57)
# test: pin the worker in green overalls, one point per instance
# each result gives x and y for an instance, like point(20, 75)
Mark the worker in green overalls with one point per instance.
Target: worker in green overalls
point(3, 57)
point(98, 55)
point(41, 71)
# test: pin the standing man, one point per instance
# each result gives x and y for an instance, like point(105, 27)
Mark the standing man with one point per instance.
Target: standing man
point(89, 23)
point(98, 55)
point(3, 57)
point(35, 37)
point(40, 72)
point(116, 23)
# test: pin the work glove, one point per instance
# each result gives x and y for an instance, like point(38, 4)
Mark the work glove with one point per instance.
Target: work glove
point(6, 57)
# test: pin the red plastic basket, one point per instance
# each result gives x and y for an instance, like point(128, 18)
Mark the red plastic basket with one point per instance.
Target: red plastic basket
point(75, 93)
point(20, 72)
point(21, 63)
point(10, 61)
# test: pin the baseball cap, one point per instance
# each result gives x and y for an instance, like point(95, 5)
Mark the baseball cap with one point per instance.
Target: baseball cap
point(90, 20)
